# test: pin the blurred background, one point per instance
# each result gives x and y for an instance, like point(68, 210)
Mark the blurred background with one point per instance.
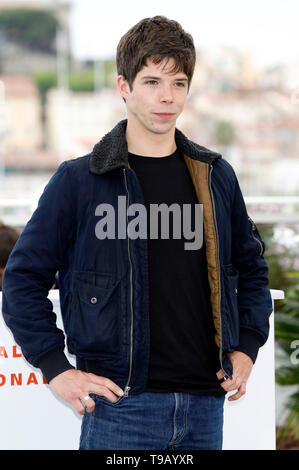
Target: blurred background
point(58, 97)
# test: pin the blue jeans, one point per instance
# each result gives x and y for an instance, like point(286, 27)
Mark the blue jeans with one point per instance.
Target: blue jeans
point(156, 421)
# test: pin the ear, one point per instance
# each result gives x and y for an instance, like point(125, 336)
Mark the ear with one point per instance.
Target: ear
point(123, 87)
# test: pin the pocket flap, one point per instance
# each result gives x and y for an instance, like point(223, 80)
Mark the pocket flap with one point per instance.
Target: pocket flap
point(94, 295)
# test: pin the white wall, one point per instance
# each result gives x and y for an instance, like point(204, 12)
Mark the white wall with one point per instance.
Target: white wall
point(249, 423)
point(33, 418)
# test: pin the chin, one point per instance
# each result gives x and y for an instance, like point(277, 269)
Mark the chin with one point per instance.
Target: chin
point(160, 128)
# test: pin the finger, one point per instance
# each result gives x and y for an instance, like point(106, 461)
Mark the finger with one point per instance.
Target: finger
point(89, 405)
point(109, 384)
point(78, 406)
point(220, 374)
point(241, 391)
point(230, 384)
point(224, 380)
point(103, 391)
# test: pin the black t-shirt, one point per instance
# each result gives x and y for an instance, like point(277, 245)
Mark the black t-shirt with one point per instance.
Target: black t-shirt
point(183, 353)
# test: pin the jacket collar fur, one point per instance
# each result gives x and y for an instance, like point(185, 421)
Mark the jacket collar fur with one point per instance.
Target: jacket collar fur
point(111, 151)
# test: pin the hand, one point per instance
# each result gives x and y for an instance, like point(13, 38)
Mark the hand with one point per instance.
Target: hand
point(73, 385)
point(242, 365)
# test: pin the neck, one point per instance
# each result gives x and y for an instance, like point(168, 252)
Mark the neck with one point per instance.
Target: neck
point(146, 143)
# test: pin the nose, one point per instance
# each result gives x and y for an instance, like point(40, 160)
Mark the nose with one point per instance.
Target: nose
point(166, 94)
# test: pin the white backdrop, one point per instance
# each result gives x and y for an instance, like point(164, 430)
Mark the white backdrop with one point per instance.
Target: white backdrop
point(33, 418)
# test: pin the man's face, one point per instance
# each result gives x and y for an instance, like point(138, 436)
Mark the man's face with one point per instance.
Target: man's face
point(157, 98)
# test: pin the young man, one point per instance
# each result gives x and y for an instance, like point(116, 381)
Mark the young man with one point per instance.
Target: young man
point(160, 332)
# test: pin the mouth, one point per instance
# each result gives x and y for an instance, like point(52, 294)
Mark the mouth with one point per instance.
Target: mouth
point(164, 116)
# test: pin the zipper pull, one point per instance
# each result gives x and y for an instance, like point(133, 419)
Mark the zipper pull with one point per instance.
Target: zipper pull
point(252, 223)
point(126, 391)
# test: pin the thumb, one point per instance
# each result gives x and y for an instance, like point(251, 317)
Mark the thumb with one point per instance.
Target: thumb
point(220, 374)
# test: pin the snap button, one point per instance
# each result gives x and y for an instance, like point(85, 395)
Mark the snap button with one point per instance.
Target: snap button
point(93, 300)
point(236, 291)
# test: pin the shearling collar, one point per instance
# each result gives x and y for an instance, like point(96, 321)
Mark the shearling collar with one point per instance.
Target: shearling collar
point(111, 151)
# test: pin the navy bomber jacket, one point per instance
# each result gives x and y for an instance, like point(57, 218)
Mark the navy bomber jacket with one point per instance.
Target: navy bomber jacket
point(103, 284)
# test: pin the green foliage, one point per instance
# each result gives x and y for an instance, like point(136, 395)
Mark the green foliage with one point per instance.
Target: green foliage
point(30, 27)
point(286, 327)
point(225, 133)
point(78, 81)
point(45, 80)
point(287, 334)
point(287, 436)
point(110, 73)
point(291, 306)
point(83, 81)
point(281, 276)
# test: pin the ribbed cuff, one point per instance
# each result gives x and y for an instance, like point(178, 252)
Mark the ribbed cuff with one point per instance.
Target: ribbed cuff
point(54, 363)
point(249, 343)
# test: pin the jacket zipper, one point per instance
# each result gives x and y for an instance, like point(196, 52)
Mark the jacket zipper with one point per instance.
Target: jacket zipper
point(127, 388)
point(253, 227)
point(213, 206)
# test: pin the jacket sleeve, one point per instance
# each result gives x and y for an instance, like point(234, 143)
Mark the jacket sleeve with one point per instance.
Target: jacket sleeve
point(254, 297)
point(30, 274)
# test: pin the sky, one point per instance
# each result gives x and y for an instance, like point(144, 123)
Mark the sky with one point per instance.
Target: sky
point(267, 28)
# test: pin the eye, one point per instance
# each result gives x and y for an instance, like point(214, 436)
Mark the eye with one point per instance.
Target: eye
point(182, 84)
point(151, 81)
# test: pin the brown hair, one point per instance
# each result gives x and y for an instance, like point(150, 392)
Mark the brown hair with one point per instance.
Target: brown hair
point(157, 38)
point(8, 237)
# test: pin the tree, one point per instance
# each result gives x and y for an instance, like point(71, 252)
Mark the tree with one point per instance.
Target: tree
point(225, 133)
point(32, 28)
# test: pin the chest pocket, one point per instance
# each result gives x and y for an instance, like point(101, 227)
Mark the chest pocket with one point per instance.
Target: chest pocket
point(95, 324)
